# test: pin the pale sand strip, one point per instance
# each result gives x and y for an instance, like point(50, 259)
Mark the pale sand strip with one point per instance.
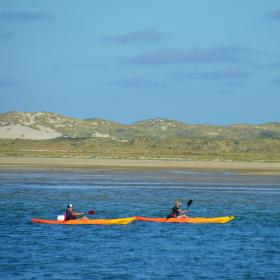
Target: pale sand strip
point(78, 163)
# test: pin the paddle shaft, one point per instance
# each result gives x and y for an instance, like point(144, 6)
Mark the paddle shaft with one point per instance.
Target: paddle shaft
point(90, 212)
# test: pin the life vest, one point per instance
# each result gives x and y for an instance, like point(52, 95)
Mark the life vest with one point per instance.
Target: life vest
point(174, 212)
point(69, 216)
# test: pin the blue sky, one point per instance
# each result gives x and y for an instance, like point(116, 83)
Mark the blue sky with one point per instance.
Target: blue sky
point(195, 61)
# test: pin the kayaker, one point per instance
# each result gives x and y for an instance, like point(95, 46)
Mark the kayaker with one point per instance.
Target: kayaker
point(176, 212)
point(70, 214)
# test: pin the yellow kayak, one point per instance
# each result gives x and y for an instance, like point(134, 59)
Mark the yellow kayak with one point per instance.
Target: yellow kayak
point(191, 220)
point(83, 221)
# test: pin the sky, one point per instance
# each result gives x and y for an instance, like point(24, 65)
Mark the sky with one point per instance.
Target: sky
point(215, 62)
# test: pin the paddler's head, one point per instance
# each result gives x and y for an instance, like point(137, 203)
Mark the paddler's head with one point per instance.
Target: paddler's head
point(69, 206)
point(178, 203)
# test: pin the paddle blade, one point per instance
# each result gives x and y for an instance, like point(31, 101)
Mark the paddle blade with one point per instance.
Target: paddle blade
point(189, 203)
point(91, 212)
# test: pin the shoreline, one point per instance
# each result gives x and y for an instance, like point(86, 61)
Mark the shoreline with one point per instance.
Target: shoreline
point(20, 163)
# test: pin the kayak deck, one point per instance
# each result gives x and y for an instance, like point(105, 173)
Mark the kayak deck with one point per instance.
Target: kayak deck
point(191, 220)
point(121, 221)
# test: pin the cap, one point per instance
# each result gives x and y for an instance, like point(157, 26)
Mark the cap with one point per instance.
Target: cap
point(69, 206)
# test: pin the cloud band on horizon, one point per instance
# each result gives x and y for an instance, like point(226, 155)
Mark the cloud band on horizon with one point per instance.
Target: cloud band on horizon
point(24, 16)
point(141, 36)
point(196, 55)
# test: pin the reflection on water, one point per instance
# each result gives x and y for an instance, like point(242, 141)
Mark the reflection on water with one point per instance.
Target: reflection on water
point(246, 248)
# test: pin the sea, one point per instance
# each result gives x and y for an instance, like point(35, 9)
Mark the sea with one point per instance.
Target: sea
point(247, 247)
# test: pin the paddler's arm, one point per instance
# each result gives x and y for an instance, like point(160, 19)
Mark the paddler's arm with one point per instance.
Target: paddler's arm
point(78, 214)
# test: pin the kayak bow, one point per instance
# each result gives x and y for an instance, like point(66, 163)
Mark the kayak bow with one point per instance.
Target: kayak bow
point(191, 220)
point(121, 221)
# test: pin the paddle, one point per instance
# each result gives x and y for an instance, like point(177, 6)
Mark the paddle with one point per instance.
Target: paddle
point(62, 217)
point(90, 212)
point(189, 203)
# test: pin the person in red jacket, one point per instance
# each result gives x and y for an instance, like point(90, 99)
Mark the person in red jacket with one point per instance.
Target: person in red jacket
point(70, 214)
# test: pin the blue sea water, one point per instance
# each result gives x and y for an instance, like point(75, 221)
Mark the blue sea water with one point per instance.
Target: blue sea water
point(246, 248)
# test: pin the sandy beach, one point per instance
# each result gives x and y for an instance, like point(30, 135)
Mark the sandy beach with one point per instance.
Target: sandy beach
point(126, 164)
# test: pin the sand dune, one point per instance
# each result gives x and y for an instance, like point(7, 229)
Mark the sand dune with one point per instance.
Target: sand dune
point(25, 132)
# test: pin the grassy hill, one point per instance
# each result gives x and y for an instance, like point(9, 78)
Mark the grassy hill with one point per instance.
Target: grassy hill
point(52, 135)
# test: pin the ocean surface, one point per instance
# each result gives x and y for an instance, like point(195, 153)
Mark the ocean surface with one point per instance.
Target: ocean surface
point(246, 248)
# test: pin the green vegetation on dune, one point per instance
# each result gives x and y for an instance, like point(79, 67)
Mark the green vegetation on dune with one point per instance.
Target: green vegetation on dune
point(155, 128)
point(154, 138)
point(145, 147)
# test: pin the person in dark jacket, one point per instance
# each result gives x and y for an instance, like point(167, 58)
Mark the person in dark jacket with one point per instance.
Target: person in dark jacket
point(176, 212)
